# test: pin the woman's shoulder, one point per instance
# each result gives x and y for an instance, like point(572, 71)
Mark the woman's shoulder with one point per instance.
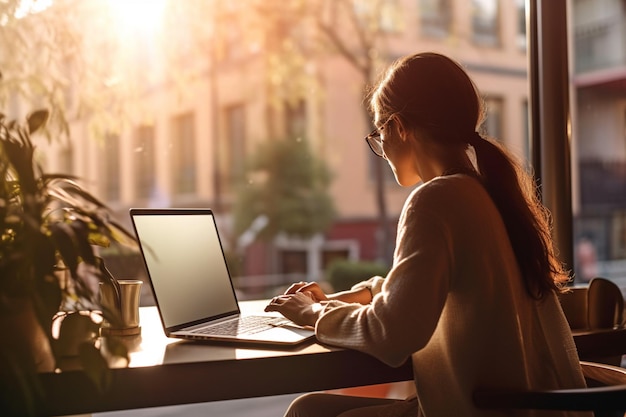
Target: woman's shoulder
point(449, 188)
point(449, 197)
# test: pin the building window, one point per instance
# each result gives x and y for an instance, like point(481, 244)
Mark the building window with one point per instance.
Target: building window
point(144, 161)
point(184, 154)
point(234, 147)
point(485, 22)
point(110, 173)
point(66, 160)
point(495, 115)
point(521, 24)
point(383, 16)
point(435, 18)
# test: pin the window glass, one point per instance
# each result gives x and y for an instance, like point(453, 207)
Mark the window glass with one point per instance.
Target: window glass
point(435, 17)
point(213, 83)
point(521, 24)
point(485, 22)
point(66, 159)
point(144, 162)
point(184, 153)
point(234, 144)
point(110, 168)
point(599, 138)
point(495, 114)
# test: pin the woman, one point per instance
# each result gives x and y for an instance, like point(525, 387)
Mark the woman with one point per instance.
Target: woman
point(471, 298)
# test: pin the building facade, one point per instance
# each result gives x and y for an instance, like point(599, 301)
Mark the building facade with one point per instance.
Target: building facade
point(599, 119)
point(191, 143)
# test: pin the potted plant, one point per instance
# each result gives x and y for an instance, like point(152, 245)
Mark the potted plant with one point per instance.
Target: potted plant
point(49, 225)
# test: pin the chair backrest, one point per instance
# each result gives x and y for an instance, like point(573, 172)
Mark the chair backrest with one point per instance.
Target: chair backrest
point(606, 394)
point(600, 374)
point(574, 304)
point(599, 305)
point(605, 304)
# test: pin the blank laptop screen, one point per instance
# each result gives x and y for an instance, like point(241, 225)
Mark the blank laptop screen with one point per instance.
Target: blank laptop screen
point(186, 266)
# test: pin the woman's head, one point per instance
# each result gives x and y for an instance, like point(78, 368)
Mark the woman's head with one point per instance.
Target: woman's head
point(430, 92)
point(432, 98)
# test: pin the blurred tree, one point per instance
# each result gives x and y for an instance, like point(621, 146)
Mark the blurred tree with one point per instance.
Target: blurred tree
point(34, 48)
point(76, 58)
point(299, 32)
point(286, 186)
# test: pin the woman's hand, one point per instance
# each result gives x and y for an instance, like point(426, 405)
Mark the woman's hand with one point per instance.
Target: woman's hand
point(312, 288)
point(299, 307)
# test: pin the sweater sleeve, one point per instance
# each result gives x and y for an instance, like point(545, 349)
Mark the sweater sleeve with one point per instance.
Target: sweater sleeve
point(401, 317)
point(373, 284)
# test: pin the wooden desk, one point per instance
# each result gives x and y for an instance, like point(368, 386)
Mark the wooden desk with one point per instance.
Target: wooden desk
point(166, 371)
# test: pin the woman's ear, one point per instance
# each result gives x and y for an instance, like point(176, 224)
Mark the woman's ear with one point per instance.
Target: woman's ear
point(400, 128)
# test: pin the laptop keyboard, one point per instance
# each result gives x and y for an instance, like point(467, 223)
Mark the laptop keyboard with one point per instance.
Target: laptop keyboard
point(243, 325)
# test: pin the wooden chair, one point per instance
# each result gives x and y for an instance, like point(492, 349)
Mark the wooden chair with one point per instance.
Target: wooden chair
point(599, 305)
point(605, 395)
point(596, 307)
point(605, 304)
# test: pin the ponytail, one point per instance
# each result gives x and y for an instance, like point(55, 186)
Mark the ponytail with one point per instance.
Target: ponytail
point(527, 221)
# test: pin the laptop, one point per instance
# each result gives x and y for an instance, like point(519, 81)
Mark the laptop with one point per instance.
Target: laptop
point(192, 286)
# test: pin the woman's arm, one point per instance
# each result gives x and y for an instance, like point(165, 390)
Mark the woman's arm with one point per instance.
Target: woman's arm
point(358, 295)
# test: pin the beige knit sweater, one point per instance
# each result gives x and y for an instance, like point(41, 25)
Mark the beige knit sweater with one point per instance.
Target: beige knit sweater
point(454, 302)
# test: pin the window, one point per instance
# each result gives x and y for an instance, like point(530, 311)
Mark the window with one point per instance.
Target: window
point(495, 114)
point(485, 22)
point(599, 28)
point(435, 17)
point(110, 172)
point(234, 146)
point(599, 134)
point(144, 162)
point(521, 24)
point(383, 15)
point(184, 154)
point(66, 159)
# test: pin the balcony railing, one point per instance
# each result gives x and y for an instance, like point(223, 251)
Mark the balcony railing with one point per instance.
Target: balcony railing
point(598, 45)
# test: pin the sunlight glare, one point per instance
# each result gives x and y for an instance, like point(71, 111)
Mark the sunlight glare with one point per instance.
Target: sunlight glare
point(138, 16)
point(27, 7)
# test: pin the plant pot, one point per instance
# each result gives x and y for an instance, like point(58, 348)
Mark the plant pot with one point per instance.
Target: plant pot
point(23, 335)
point(72, 329)
point(24, 351)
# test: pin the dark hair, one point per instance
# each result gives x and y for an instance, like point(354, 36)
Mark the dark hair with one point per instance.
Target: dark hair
point(433, 93)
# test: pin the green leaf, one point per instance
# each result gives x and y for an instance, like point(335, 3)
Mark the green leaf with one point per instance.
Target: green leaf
point(64, 238)
point(36, 120)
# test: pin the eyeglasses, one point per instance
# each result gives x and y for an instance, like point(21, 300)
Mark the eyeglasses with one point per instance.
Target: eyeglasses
point(374, 140)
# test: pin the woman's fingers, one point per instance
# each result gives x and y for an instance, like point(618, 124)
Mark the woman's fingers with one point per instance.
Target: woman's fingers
point(314, 291)
point(295, 287)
